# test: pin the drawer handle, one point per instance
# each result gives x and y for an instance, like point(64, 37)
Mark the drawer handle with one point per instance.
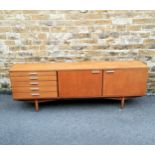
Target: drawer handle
point(34, 88)
point(110, 71)
point(36, 94)
point(34, 83)
point(33, 73)
point(95, 71)
point(33, 78)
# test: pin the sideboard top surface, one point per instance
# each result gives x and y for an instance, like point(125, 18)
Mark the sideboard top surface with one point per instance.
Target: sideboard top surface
point(77, 65)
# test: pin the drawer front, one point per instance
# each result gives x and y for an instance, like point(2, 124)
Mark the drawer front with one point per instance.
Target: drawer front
point(33, 73)
point(33, 78)
point(34, 95)
point(34, 89)
point(34, 83)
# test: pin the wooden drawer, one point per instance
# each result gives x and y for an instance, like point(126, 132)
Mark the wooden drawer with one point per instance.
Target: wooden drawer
point(34, 95)
point(34, 89)
point(34, 83)
point(32, 73)
point(33, 78)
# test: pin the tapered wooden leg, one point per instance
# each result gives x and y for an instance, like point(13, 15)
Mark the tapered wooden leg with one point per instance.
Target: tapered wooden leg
point(122, 102)
point(36, 105)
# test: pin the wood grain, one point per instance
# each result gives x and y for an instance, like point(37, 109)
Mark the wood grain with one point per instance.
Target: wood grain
point(40, 95)
point(128, 82)
point(33, 78)
point(32, 73)
point(34, 83)
point(34, 89)
point(79, 83)
point(77, 66)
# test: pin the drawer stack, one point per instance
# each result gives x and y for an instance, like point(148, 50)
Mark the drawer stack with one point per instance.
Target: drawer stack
point(34, 85)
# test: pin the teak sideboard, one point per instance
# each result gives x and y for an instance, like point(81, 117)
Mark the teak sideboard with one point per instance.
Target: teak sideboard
point(40, 82)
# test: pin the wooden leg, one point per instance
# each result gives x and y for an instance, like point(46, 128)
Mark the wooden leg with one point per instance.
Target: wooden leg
point(122, 102)
point(36, 105)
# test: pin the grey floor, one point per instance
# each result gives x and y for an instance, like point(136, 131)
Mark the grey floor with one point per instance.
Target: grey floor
point(87, 121)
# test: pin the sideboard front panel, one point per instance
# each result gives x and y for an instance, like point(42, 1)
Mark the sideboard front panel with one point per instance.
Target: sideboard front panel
point(124, 82)
point(84, 83)
point(34, 85)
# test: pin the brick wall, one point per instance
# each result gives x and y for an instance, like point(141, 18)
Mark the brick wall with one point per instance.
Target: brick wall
point(54, 36)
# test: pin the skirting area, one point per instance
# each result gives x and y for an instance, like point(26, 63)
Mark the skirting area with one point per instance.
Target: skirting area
point(86, 121)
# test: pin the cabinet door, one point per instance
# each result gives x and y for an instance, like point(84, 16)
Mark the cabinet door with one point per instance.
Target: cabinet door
point(124, 82)
point(86, 83)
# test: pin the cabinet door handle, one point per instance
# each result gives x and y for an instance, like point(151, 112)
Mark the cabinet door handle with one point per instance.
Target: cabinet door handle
point(33, 73)
point(36, 94)
point(34, 83)
point(34, 88)
point(95, 71)
point(110, 71)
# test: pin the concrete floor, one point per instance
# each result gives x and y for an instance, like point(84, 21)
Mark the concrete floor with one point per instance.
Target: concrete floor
point(87, 121)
